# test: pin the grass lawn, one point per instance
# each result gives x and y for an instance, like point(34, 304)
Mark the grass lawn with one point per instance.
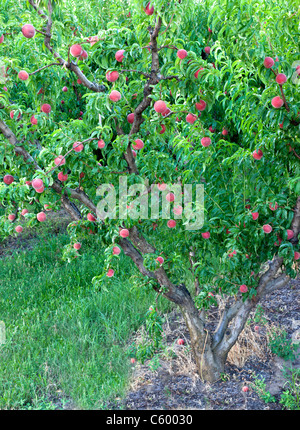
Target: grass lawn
point(64, 340)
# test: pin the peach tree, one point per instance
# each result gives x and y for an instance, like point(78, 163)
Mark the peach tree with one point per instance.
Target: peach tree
point(164, 94)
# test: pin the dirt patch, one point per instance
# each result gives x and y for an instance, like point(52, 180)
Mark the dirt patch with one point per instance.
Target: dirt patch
point(174, 383)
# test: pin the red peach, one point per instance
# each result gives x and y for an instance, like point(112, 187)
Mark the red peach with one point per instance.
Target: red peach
point(205, 141)
point(257, 155)
point(130, 118)
point(47, 207)
point(170, 197)
point(60, 160)
point(207, 50)
point(163, 129)
point(206, 235)
point(267, 228)
point(224, 132)
point(149, 10)
point(166, 112)
point(37, 183)
point(41, 216)
point(160, 260)
point(11, 217)
point(62, 177)
point(212, 130)
point(77, 245)
point(273, 208)
point(24, 212)
point(115, 96)
point(132, 360)
point(101, 144)
point(76, 50)
point(161, 187)
point(40, 190)
point(23, 75)
point(243, 288)
point(124, 232)
point(277, 102)
point(28, 31)
point(139, 144)
point(78, 146)
point(281, 78)
point(191, 118)
point(255, 215)
point(201, 105)
point(160, 106)
point(120, 55)
point(116, 250)
point(83, 56)
point(11, 114)
point(110, 273)
point(112, 76)
point(91, 217)
point(245, 389)
point(8, 179)
point(290, 234)
point(180, 342)
point(178, 210)
point(19, 229)
point(171, 223)
point(33, 120)
point(1, 40)
point(296, 255)
point(196, 74)
point(181, 53)
point(268, 62)
point(46, 108)
point(65, 89)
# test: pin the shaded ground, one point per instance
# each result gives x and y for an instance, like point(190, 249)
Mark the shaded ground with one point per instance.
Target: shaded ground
point(173, 384)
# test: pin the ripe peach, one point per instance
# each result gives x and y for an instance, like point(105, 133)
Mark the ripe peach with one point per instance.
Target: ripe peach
point(212, 130)
point(101, 144)
point(181, 53)
point(256, 328)
point(257, 155)
point(130, 118)
point(76, 50)
point(161, 187)
point(33, 120)
point(267, 228)
point(23, 75)
point(224, 132)
point(41, 216)
point(78, 146)
point(40, 190)
point(139, 144)
point(19, 229)
point(243, 288)
point(134, 153)
point(277, 102)
point(170, 197)
point(60, 160)
point(281, 78)
point(1, 39)
point(112, 76)
point(180, 342)
point(163, 129)
point(149, 10)
point(290, 234)
point(201, 105)
point(37, 183)
point(28, 31)
point(196, 74)
point(273, 208)
point(207, 50)
point(83, 56)
point(47, 207)
point(205, 141)
point(160, 260)
point(115, 96)
point(206, 235)
point(62, 177)
point(77, 245)
point(116, 250)
point(191, 118)
point(171, 223)
point(255, 215)
point(178, 210)
point(11, 114)
point(65, 89)
point(91, 217)
point(24, 212)
point(8, 179)
point(268, 62)
point(46, 108)
point(11, 217)
point(160, 106)
point(166, 112)
point(110, 273)
point(124, 232)
point(245, 389)
point(296, 255)
point(119, 55)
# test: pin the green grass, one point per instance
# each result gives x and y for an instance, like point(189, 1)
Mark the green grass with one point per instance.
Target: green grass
point(61, 334)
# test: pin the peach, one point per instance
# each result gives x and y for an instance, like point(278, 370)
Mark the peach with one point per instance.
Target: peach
point(112, 76)
point(37, 183)
point(132, 360)
point(205, 141)
point(196, 74)
point(124, 232)
point(115, 96)
point(161, 187)
point(19, 229)
point(243, 288)
point(245, 389)
point(290, 234)
point(268, 62)
point(166, 112)
point(257, 155)
point(273, 208)
point(116, 250)
point(76, 50)
point(130, 118)
point(11, 114)
point(296, 255)
point(178, 210)
point(28, 31)
point(149, 10)
point(33, 120)
point(139, 144)
point(160, 106)
point(191, 118)
point(180, 342)
point(160, 260)
point(23, 75)
point(65, 89)
point(110, 273)
point(77, 245)
point(224, 132)
point(78, 146)
point(119, 55)
point(171, 223)
point(60, 160)
point(277, 102)
point(91, 217)
point(41, 216)
point(201, 105)
point(207, 50)
point(134, 153)
point(11, 217)
point(83, 56)
point(281, 78)
point(163, 129)
point(62, 177)
point(255, 215)
point(267, 228)
point(40, 190)
point(1, 39)
point(8, 179)
point(46, 108)
point(101, 144)
point(47, 207)
point(212, 130)
point(24, 212)
point(170, 197)
point(181, 53)
point(206, 235)
point(256, 328)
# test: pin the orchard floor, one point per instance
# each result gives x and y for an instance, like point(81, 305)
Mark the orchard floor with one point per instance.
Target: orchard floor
point(172, 384)
point(169, 381)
